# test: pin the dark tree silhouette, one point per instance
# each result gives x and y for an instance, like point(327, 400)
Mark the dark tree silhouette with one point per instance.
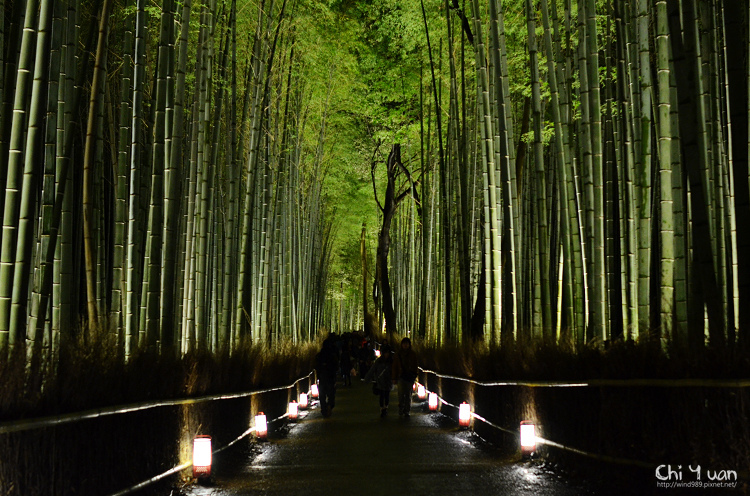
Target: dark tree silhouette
point(394, 195)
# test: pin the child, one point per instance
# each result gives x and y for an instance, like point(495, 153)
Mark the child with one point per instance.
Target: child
point(380, 373)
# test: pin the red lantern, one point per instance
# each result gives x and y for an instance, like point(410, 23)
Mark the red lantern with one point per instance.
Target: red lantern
point(261, 426)
point(528, 437)
point(432, 402)
point(202, 457)
point(293, 410)
point(464, 414)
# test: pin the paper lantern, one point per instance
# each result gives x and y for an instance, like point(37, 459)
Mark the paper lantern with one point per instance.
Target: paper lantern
point(432, 402)
point(528, 437)
point(303, 400)
point(261, 426)
point(293, 410)
point(202, 456)
point(377, 353)
point(314, 391)
point(464, 414)
point(421, 392)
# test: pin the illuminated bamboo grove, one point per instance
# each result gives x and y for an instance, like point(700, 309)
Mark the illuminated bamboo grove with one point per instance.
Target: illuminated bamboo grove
point(160, 179)
point(579, 170)
point(594, 182)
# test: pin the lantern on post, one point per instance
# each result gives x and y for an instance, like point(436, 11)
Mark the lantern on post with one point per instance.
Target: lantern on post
point(432, 402)
point(528, 438)
point(261, 426)
point(421, 392)
point(464, 414)
point(303, 400)
point(293, 410)
point(202, 457)
point(314, 391)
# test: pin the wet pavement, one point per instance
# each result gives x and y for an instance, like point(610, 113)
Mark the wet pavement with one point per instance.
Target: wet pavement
point(357, 452)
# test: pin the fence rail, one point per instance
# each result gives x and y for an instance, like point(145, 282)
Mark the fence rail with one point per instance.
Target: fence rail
point(68, 418)
point(249, 431)
point(713, 383)
point(55, 420)
point(691, 383)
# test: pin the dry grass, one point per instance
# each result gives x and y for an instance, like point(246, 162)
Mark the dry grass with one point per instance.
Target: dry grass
point(627, 360)
point(636, 422)
point(78, 458)
point(92, 375)
point(89, 374)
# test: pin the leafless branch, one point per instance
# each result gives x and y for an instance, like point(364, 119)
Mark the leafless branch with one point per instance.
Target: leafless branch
point(374, 164)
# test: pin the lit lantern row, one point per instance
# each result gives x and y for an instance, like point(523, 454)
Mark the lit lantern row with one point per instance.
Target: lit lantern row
point(202, 444)
point(527, 429)
point(295, 407)
point(261, 425)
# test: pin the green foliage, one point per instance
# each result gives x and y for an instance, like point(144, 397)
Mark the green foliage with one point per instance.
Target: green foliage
point(365, 79)
point(548, 133)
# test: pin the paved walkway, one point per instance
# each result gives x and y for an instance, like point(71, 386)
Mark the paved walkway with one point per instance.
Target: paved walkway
point(355, 452)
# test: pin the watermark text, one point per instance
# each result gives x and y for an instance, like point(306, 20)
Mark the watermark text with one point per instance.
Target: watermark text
point(677, 476)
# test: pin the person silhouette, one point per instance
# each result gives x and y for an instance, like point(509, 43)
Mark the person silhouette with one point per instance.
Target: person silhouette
point(404, 373)
point(326, 366)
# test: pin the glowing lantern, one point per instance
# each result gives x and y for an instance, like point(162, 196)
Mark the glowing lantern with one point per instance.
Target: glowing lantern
point(202, 457)
point(303, 400)
point(314, 391)
point(528, 437)
point(261, 426)
point(421, 392)
point(377, 353)
point(432, 402)
point(414, 388)
point(464, 414)
point(293, 410)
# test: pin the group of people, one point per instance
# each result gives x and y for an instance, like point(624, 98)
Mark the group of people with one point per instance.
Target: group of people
point(348, 355)
point(395, 369)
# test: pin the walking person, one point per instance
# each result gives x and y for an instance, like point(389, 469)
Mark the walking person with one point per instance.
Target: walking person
point(380, 373)
point(404, 373)
point(365, 358)
point(346, 365)
point(326, 365)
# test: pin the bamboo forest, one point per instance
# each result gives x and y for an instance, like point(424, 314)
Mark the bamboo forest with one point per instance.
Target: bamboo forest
point(528, 219)
point(189, 175)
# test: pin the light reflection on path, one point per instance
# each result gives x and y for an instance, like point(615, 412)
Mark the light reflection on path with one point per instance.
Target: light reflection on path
point(356, 452)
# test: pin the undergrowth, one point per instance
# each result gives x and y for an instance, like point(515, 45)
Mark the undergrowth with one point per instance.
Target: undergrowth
point(628, 360)
point(92, 375)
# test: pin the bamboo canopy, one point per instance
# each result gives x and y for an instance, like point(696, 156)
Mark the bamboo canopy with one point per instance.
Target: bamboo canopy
point(195, 175)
